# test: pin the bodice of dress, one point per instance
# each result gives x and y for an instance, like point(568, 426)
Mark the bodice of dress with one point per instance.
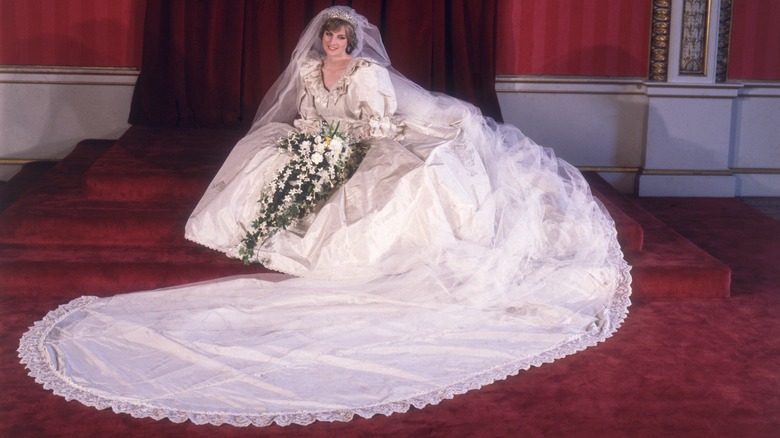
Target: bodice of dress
point(362, 101)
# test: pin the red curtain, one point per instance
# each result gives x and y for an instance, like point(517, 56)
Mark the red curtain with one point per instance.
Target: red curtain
point(209, 62)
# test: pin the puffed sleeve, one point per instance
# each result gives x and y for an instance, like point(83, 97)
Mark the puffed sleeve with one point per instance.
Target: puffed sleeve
point(371, 100)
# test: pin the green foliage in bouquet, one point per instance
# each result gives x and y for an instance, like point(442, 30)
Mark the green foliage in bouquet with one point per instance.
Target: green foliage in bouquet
point(320, 164)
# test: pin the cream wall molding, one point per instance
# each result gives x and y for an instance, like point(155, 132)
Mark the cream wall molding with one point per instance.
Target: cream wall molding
point(760, 89)
point(600, 85)
point(23, 161)
point(760, 171)
point(45, 110)
point(688, 172)
point(609, 169)
point(67, 75)
point(566, 85)
point(660, 138)
point(698, 90)
point(76, 70)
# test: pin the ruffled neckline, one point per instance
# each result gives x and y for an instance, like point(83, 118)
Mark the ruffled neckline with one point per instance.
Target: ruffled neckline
point(312, 77)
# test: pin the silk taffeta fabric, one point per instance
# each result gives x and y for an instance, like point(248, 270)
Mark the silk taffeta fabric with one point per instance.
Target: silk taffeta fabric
point(459, 253)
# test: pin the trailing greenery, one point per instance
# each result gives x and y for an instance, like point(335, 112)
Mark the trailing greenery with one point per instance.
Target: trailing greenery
point(320, 164)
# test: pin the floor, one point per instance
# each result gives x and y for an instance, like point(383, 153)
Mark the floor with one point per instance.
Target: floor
point(770, 206)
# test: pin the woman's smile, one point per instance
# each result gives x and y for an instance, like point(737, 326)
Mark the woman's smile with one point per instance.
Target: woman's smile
point(335, 42)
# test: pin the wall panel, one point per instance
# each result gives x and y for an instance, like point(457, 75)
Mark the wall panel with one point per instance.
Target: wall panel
point(574, 38)
point(94, 33)
point(755, 40)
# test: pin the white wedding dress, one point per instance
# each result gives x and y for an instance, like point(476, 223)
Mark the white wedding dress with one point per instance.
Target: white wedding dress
point(459, 253)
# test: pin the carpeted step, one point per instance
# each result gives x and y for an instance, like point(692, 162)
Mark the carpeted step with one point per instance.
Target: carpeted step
point(78, 269)
point(155, 164)
point(28, 177)
point(630, 233)
point(34, 174)
point(671, 266)
point(95, 225)
point(668, 265)
point(57, 211)
point(73, 279)
point(186, 253)
point(146, 186)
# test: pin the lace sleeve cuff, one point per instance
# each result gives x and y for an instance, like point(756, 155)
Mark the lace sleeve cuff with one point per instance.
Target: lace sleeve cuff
point(307, 126)
point(374, 127)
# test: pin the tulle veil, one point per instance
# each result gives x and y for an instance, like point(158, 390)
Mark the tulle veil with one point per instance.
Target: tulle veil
point(414, 102)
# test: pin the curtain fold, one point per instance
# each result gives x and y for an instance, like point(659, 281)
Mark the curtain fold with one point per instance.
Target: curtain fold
point(191, 66)
point(209, 62)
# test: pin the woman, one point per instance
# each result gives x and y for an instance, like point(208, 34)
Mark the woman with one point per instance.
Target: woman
point(457, 254)
point(356, 95)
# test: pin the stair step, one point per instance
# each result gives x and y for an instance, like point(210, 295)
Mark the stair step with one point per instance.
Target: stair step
point(186, 253)
point(630, 233)
point(146, 186)
point(96, 226)
point(631, 236)
point(155, 164)
point(34, 176)
point(672, 266)
point(23, 181)
point(69, 279)
point(668, 265)
point(670, 270)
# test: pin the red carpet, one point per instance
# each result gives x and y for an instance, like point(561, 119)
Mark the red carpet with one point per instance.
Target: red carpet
point(667, 265)
point(109, 219)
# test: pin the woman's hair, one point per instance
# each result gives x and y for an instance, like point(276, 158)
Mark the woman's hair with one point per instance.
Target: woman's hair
point(333, 24)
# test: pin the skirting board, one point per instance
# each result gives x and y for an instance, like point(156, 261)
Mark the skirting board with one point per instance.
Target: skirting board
point(46, 111)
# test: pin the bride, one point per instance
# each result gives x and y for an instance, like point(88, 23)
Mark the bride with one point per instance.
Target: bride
point(458, 253)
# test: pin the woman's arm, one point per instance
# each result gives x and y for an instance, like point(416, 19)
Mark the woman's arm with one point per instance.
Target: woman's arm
point(371, 99)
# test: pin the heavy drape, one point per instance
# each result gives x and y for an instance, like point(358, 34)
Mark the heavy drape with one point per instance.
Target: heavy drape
point(209, 63)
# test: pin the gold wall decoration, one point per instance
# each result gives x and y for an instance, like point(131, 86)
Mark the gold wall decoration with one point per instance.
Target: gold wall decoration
point(724, 38)
point(659, 40)
point(694, 38)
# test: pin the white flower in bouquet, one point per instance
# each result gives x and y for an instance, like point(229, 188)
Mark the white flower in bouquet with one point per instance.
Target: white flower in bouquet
point(320, 164)
point(336, 145)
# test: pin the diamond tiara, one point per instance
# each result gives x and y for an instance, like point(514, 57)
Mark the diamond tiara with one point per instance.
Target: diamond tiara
point(342, 15)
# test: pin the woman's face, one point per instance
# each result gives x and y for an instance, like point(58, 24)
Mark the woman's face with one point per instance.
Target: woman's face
point(335, 42)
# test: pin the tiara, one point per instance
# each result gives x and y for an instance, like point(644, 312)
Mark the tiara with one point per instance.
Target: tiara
point(342, 14)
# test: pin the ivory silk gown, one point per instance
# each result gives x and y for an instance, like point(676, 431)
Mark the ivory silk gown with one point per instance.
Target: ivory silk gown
point(459, 253)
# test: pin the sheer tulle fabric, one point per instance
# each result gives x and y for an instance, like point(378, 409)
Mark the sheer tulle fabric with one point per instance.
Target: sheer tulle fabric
point(458, 254)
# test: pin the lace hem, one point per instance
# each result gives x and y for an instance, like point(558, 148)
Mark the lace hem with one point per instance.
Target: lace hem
point(214, 248)
point(32, 353)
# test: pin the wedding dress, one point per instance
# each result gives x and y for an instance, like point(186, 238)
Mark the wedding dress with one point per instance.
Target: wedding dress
point(459, 253)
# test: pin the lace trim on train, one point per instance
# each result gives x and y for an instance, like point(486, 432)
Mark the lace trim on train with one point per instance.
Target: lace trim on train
point(33, 354)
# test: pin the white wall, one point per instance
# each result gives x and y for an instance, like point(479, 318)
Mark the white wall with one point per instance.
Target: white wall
point(756, 139)
point(656, 139)
point(45, 112)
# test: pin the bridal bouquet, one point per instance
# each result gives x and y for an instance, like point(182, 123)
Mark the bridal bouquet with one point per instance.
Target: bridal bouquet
point(320, 164)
